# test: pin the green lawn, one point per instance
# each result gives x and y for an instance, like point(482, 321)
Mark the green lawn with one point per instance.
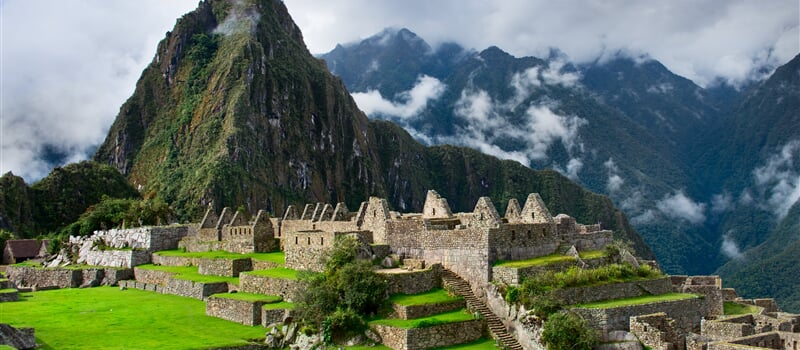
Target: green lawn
point(278, 272)
point(480, 344)
point(190, 273)
point(249, 297)
point(549, 259)
point(108, 318)
point(734, 308)
point(638, 300)
point(280, 305)
point(276, 257)
point(447, 317)
point(8, 290)
point(434, 296)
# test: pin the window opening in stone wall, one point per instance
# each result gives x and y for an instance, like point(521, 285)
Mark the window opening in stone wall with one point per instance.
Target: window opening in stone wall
point(513, 234)
point(433, 211)
point(544, 232)
point(296, 240)
point(322, 241)
point(309, 240)
point(481, 216)
point(374, 213)
point(533, 215)
point(529, 234)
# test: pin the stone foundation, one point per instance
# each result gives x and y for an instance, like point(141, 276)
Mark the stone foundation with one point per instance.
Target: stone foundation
point(48, 278)
point(267, 285)
point(239, 311)
point(430, 337)
point(173, 260)
point(17, 338)
point(196, 290)
point(224, 267)
point(272, 316)
point(408, 312)
point(9, 296)
point(687, 315)
point(584, 295)
point(412, 282)
point(116, 258)
point(152, 276)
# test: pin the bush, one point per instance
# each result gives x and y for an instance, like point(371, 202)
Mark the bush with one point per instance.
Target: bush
point(568, 331)
point(342, 322)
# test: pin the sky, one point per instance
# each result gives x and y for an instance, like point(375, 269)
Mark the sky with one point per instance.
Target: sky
point(67, 67)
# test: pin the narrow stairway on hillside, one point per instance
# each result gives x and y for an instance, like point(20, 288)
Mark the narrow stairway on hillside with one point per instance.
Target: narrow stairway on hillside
point(496, 327)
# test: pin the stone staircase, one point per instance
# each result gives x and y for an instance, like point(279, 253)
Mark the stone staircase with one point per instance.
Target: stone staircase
point(496, 327)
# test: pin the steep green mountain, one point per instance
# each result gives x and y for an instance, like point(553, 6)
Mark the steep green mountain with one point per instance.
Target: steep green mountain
point(58, 199)
point(234, 110)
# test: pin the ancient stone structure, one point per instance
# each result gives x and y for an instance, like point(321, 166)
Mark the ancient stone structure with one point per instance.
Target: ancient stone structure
point(17, 338)
point(430, 337)
point(126, 247)
point(231, 231)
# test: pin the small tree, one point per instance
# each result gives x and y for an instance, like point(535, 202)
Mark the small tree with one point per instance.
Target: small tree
point(568, 331)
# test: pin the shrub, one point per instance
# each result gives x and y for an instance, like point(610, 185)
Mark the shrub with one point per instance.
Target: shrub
point(568, 331)
point(342, 322)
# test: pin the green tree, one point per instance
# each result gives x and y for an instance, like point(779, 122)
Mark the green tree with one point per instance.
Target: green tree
point(568, 331)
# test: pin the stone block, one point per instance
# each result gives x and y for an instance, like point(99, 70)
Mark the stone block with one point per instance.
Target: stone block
point(239, 311)
point(224, 267)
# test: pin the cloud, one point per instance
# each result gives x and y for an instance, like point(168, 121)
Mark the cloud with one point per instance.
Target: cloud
point(779, 179)
point(679, 206)
point(67, 67)
point(700, 40)
point(410, 103)
point(721, 203)
point(241, 19)
point(614, 180)
point(729, 247)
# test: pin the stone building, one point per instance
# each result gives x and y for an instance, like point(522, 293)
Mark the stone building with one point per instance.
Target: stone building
point(19, 250)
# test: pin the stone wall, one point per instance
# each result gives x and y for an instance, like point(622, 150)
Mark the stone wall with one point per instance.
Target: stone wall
point(408, 312)
point(519, 322)
point(583, 295)
point(589, 241)
point(152, 276)
point(263, 264)
point(116, 258)
point(522, 241)
point(240, 311)
point(193, 245)
point(515, 275)
point(728, 328)
point(224, 267)
point(191, 289)
point(687, 315)
point(17, 338)
point(657, 331)
point(430, 337)
point(173, 260)
point(305, 250)
point(771, 340)
point(412, 282)
point(272, 316)
point(43, 278)
point(12, 295)
point(267, 285)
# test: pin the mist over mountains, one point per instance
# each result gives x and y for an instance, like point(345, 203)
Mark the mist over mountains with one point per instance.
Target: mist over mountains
point(705, 174)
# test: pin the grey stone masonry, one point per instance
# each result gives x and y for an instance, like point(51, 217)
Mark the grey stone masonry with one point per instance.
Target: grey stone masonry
point(284, 288)
point(9, 295)
point(687, 314)
point(224, 267)
point(239, 311)
point(412, 282)
point(56, 277)
point(584, 295)
point(17, 338)
point(430, 337)
point(408, 312)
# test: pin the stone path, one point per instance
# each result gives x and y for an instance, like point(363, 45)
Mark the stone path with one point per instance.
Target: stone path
point(498, 330)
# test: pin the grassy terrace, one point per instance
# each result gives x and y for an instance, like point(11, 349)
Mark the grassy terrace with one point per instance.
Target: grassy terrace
point(249, 297)
point(276, 257)
point(647, 299)
point(733, 308)
point(549, 259)
point(108, 318)
point(279, 305)
point(434, 296)
point(481, 344)
point(189, 273)
point(447, 317)
point(278, 272)
point(68, 267)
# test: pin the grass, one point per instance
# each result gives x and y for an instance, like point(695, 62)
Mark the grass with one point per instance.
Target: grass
point(647, 299)
point(190, 273)
point(549, 259)
point(8, 290)
point(434, 296)
point(249, 297)
point(278, 272)
point(276, 257)
point(734, 308)
point(280, 305)
point(480, 344)
point(108, 318)
point(443, 318)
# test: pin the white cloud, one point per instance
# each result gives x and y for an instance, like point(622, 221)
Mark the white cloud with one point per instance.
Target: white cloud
point(680, 206)
point(729, 247)
point(614, 180)
point(573, 167)
point(697, 39)
point(722, 202)
point(67, 67)
point(410, 103)
point(779, 179)
point(646, 217)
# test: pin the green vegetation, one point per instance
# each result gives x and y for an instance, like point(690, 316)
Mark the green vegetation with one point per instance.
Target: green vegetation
point(443, 318)
point(278, 272)
point(8, 290)
point(276, 257)
point(646, 299)
point(480, 344)
point(113, 319)
point(279, 305)
point(249, 297)
point(434, 296)
point(734, 308)
point(568, 331)
point(549, 259)
point(190, 273)
point(337, 300)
